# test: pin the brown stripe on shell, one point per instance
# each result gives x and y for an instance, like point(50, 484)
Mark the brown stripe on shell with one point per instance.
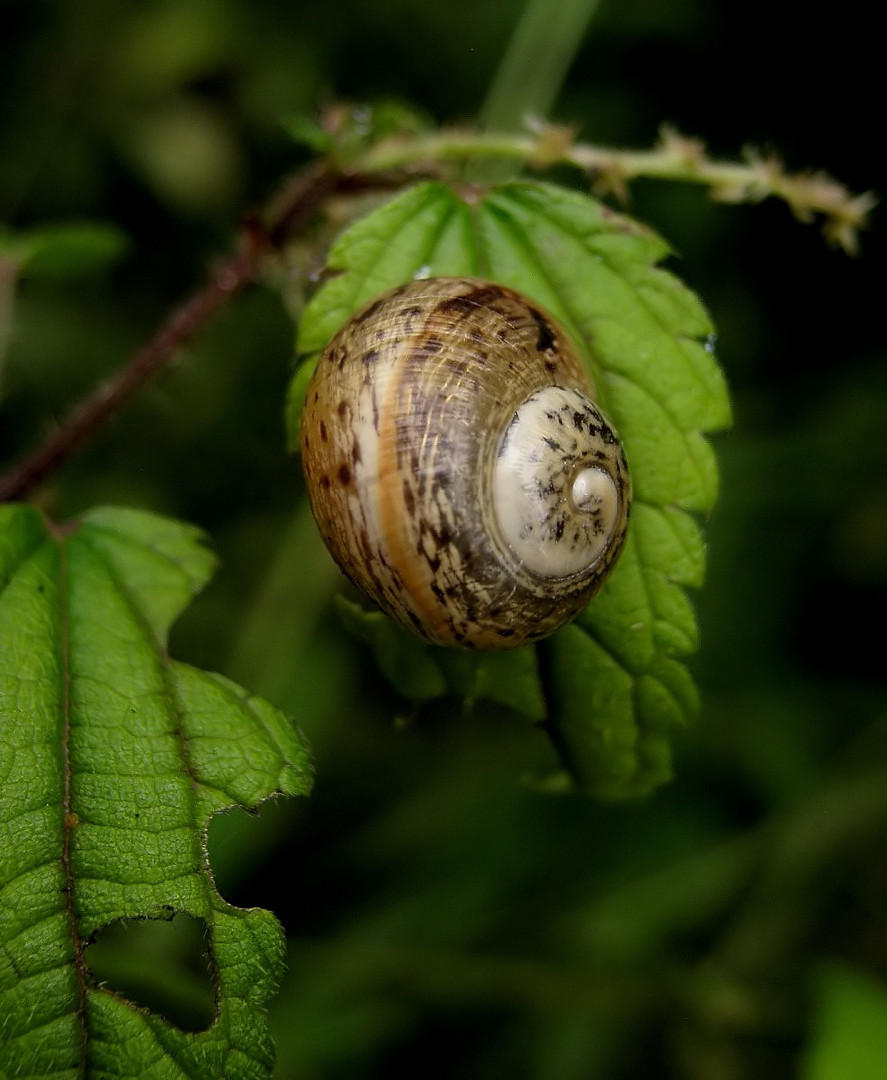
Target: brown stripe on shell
point(456, 357)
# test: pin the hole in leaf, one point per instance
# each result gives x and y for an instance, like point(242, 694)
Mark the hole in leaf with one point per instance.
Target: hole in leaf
point(159, 965)
point(246, 852)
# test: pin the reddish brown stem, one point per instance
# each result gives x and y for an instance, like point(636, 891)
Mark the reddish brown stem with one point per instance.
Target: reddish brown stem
point(297, 204)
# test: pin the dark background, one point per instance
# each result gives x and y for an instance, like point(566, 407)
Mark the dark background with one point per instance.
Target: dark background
point(442, 914)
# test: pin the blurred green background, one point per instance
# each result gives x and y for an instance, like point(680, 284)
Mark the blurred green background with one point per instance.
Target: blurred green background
point(443, 916)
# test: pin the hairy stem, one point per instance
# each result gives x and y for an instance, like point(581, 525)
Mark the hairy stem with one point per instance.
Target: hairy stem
point(395, 161)
point(675, 158)
point(107, 399)
point(297, 203)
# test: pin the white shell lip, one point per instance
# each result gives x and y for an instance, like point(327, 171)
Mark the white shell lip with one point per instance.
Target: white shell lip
point(556, 505)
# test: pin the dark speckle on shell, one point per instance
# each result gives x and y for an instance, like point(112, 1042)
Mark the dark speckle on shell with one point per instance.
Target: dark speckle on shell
point(403, 424)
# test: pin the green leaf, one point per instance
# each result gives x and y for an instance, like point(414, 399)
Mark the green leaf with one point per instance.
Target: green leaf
point(423, 672)
point(63, 251)
point(295, 402)
point(614, 682)
point(306, 130)
point(849, 1036)
point(53, 251)
point(344, 131)
point(113, 757)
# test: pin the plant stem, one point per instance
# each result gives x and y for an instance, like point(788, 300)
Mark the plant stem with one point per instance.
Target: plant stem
point(392, 163)
point(91, 414)
point(297, 204)
point(675, 157)
point(8, 273)
point(536, 62)
point(802, 845)
point(510, 982)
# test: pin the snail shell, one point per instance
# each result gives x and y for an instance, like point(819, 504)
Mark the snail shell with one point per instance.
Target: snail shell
point(458, 469)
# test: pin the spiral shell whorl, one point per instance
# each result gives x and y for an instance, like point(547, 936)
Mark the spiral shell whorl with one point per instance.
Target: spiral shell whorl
point(559, 485)
point(416, 461)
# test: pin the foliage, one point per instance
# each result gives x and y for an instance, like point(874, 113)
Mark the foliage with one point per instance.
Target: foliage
point(113, 759)
point(851, 1027)
point(614, 686)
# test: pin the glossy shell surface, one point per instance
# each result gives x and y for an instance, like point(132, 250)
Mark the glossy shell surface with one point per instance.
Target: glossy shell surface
point(458, 468)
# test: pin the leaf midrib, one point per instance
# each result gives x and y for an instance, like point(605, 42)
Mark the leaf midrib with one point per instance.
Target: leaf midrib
point(68, 816)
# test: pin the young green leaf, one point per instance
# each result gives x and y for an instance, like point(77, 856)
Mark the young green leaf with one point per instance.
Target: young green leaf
point(113, 757)
point(614, 682)
point(54, 251)
point(62, 251)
